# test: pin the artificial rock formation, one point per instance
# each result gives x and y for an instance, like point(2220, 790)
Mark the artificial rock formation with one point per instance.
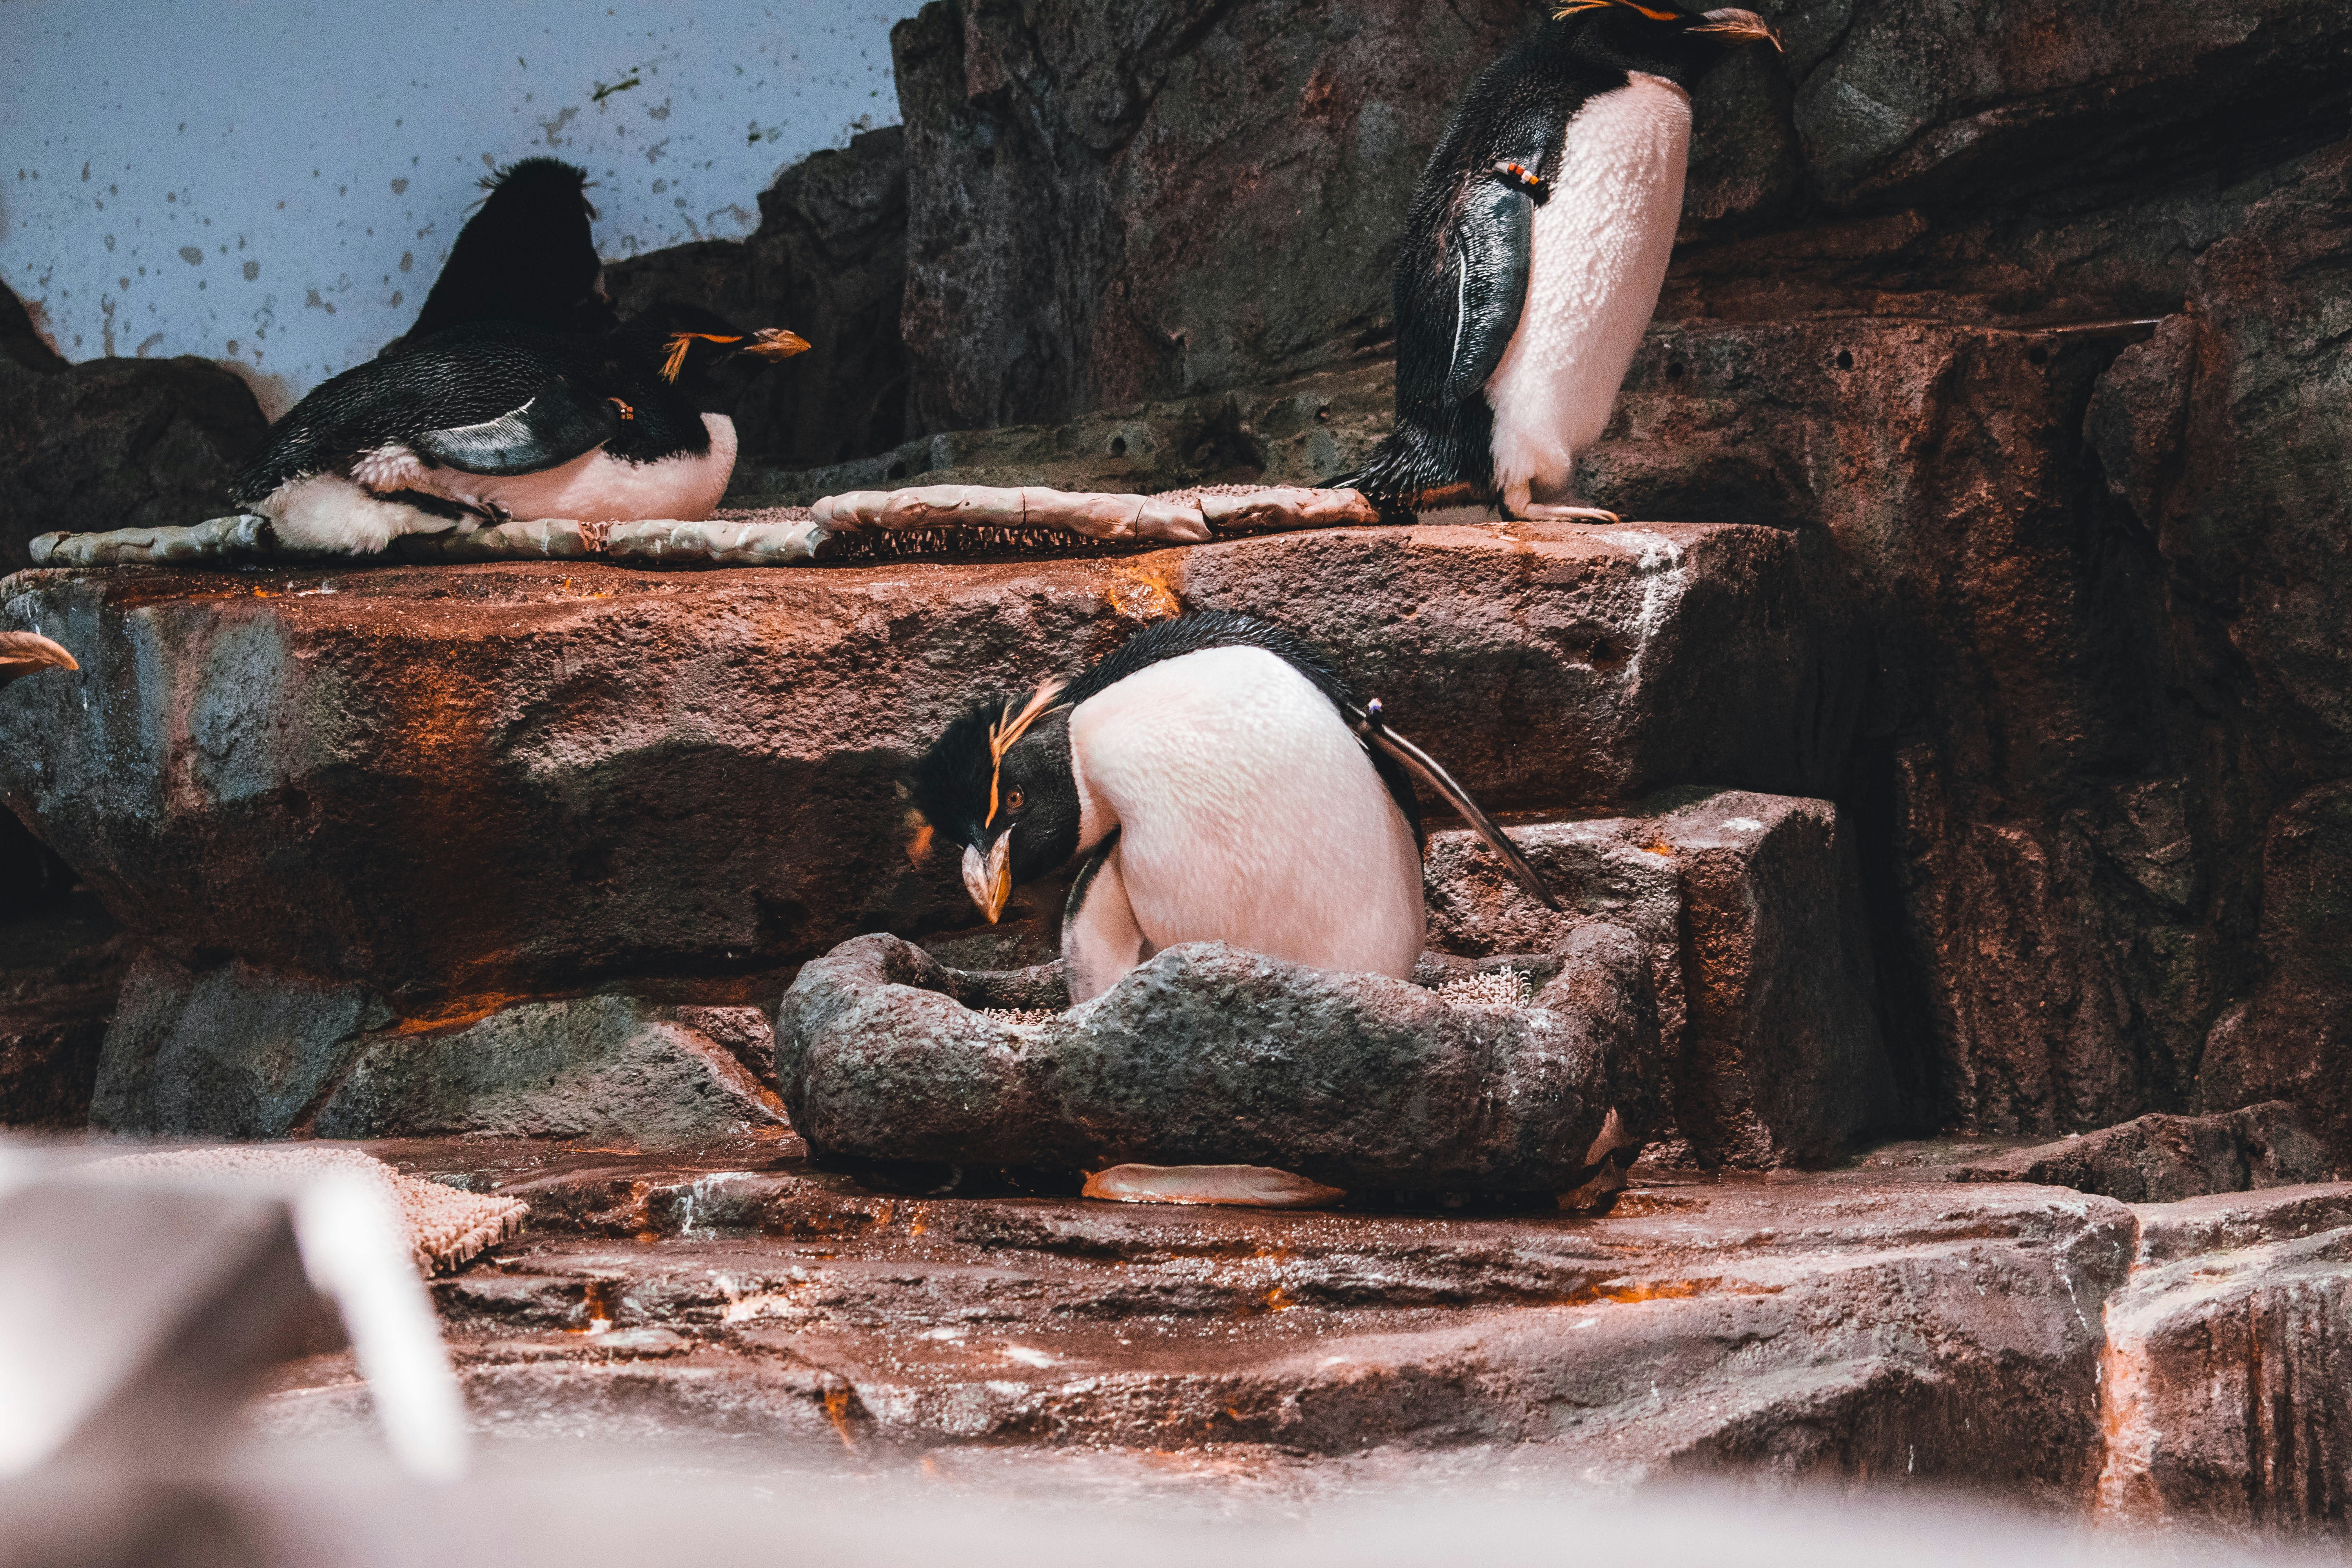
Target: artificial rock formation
point(237, 1052)
point(2163, 1159)
point(1210, 1055)
point(2026, 324)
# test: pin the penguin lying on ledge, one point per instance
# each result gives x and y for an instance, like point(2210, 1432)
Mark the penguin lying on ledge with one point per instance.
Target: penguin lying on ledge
point(23, 653)
point(490, 422)
point(1533, 254)
point(1221, 785)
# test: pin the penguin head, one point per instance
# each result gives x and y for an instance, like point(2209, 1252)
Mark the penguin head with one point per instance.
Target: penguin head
point(1653, 36)
point(998, 785)
point(22, 653)
point(703, 354)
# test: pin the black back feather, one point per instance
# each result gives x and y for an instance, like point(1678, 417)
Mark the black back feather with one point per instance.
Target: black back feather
point(479, 372)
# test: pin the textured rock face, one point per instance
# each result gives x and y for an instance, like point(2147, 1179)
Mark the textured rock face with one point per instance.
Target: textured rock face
point(443, 783)
point(829, 261)
point(1208, 1054)
point(1063, 164)
point(2229, 1388)
point(2163, 1159)
point(1816, 1329)
point(59, 974)
point(240, 1052)
point(141, 442)
point(2094, 555)
point(1747, 905)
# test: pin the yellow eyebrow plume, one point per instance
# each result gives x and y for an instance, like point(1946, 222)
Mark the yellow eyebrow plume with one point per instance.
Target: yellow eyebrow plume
point(1009, 726)
point(678, 344)
point(1576, 6)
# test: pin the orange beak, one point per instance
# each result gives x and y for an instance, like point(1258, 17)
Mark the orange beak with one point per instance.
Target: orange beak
point(775, 342)
point(21, 653)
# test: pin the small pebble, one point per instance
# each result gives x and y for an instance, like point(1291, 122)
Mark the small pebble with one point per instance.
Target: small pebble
point(1020, 1015)
point(1488, 988)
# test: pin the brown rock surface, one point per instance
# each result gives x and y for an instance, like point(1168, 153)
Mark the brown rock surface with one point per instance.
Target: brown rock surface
point(1750, 906)
point(60, 972)
point(2228, 1388)
point(2160, 1159)
point(509, 778)
point(1830, 1328)
point(1063, 164)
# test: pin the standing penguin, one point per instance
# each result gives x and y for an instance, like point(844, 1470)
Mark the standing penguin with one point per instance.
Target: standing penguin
point(528, 256)
point(1221, 785)
point(491, 421)
point(1533, 255)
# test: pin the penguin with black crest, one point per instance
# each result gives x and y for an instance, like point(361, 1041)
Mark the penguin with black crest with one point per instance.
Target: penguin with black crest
point(1220, 783)
point(490, 421)
point(527, 256)
point(1533, 255)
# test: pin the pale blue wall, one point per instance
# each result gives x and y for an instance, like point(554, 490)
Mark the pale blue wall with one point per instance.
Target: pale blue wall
point(275, 184)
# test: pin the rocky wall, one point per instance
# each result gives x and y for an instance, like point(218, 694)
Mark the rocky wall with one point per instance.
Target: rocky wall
point(144, 442)
point(2029, 318)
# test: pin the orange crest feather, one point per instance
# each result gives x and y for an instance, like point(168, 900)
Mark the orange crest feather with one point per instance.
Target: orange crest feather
point(1009, 726)
point(1574, 7)
point(680, 342)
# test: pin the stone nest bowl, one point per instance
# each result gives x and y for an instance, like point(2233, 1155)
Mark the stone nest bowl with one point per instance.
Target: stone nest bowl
point(1210, 1055)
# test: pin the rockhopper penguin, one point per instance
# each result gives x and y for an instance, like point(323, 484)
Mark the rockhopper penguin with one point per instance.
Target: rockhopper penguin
point(1221, 785)
point(490, 422)
point(528, 256)
point(1534, 251)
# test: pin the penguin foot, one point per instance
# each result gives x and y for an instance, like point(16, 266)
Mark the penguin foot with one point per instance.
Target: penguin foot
point(1538, 511)
point(1253, 1187)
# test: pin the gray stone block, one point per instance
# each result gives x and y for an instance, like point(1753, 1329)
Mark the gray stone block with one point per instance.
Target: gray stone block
point(239, 1052)
point(1750, 908)
point(1207, 1055)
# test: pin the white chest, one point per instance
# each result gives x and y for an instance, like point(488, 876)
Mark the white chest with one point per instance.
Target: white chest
point(594, 488)
point(1598, 251)
point(1249, 813)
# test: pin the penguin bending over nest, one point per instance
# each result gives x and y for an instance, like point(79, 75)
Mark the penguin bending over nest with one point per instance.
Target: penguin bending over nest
point(528, 256)
point(1533, 252)
point(1222, 787)
point(490, 422)
point(24, 653)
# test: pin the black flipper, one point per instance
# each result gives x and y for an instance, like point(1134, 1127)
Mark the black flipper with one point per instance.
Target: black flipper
point(1377, 736)
point(1493, 240)
point(553, 427)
